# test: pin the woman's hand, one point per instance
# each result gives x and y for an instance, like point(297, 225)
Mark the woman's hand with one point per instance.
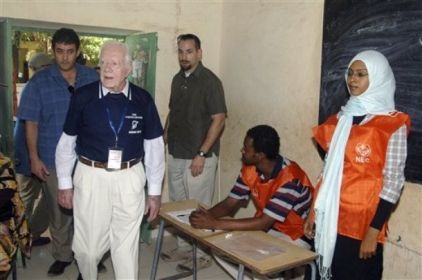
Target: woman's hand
point(368, 246)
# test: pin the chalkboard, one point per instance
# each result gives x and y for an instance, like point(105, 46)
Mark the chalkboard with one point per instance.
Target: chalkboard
point(392, 27)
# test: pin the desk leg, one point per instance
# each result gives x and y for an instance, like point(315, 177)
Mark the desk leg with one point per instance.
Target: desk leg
point(194, 253)
point(241, 272)
point(157, 251)
point(313, 270)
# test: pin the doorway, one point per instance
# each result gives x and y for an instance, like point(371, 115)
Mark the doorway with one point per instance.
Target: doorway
point(29, 37)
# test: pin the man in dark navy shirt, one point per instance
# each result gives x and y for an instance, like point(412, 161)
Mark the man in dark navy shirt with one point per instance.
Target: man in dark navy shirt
point(111, 127)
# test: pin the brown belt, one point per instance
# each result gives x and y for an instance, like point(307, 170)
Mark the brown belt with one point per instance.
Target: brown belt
point(103, 165)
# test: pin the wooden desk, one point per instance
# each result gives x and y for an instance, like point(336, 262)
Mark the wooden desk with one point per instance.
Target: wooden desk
point(283, 255)
point(169, 207)
point(259, 251)
point(197, 235)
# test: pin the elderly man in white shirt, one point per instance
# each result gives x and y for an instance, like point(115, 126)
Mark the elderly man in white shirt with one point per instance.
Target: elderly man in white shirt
point(112, 127)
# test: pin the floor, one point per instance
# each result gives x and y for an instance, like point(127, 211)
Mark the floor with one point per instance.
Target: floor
point(37, 266)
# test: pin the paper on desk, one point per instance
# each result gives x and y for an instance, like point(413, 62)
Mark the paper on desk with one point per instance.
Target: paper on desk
point(182, 215)
point(250, 246)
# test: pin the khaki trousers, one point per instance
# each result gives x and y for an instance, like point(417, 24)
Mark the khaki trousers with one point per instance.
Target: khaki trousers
point(60, 220)
point(108, 208)
point(30, 189)
point(182, 185)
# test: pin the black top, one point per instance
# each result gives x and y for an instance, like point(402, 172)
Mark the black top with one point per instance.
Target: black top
point(194, 99)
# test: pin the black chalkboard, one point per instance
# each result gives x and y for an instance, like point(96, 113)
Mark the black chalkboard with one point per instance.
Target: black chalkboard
point(393, 27)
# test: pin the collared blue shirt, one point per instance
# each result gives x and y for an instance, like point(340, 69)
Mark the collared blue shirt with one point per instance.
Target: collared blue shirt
point(45, 100)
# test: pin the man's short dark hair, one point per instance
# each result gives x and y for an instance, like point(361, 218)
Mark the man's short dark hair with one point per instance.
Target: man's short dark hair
point(66, 36)
point(265, 140)
point(184, 37)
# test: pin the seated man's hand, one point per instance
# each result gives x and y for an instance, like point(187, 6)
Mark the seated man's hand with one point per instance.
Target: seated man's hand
point(201, 218)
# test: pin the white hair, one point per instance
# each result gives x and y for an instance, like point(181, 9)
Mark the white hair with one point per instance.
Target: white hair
point(119, 45)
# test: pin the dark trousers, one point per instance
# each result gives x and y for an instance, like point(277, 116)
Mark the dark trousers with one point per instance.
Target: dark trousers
point(347, 264)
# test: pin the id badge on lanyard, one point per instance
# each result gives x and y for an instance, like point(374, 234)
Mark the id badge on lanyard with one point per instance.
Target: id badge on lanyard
point(115, 154)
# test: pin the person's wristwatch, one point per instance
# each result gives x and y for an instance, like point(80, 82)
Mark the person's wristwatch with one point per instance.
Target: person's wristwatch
point(202, 154)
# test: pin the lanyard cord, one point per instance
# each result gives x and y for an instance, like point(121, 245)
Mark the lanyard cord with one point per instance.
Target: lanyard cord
point(122, 118)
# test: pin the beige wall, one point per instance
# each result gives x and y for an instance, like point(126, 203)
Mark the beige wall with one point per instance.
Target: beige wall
point(270, 66)
point(402, 257)
point(267, 54)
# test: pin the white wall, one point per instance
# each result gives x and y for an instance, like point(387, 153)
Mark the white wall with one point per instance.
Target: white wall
point(268, 55)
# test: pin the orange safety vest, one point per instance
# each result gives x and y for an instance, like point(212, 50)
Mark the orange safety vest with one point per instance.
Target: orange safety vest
point(263, 191)
point(363, 170)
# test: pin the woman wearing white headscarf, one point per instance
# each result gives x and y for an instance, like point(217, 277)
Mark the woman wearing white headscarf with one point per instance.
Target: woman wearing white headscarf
point(363, 173)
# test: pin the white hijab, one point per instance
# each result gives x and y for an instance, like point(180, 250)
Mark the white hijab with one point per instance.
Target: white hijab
point(378, 99)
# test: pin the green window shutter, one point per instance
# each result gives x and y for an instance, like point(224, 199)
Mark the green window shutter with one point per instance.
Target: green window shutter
point(143, 52)
point(6, 89)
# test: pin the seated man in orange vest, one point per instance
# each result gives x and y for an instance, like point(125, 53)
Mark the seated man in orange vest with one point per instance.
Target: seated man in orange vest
point(279, 188)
